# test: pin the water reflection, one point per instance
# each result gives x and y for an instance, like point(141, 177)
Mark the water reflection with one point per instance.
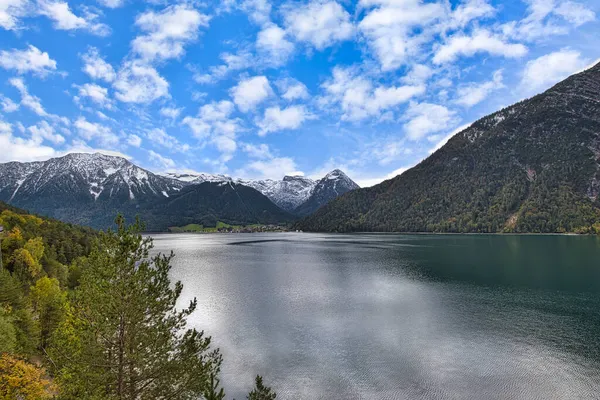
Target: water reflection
point(395, 317)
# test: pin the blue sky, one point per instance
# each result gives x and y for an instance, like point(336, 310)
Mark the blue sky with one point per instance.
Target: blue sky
point(259, 88)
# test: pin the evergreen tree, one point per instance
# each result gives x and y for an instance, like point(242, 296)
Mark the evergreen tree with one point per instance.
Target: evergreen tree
point(123, 338)
point(260, 391)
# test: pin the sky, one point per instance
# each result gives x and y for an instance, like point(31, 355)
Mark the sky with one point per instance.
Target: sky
point(262, 88)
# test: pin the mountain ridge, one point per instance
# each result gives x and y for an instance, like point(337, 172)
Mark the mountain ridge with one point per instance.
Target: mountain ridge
point(531, 167)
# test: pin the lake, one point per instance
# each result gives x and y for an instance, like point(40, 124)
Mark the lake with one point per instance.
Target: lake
point(382, 316)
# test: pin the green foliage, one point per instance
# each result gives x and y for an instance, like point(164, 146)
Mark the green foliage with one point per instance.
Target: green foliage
point(49, 303)
point(260, 391)
point(8, 334)
point(123, 334)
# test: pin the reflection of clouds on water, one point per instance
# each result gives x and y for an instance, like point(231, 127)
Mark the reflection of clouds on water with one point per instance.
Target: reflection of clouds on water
point(354, 317)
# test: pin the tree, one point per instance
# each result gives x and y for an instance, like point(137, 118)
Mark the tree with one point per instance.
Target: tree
point(49, 303)
point(123, 338)
point(8, 335)
point(260, 391)
point(22, 380)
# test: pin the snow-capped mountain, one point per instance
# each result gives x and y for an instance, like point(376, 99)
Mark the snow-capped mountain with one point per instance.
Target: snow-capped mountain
point(332, 185)
point(91, 188)
point(289, 193)
point(90, 177)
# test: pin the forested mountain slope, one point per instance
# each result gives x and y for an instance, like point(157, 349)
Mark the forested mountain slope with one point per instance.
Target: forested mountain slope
point(531, 167)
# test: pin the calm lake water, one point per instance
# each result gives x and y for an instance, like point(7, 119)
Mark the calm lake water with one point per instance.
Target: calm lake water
point(398, 316)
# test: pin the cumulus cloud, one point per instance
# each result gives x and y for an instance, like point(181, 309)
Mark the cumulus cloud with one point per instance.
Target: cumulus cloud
point(96, 93)
point(134, 140)
point(359, 98)
point(319, 23)
point(481, 41)
point(167, 32)
point(111, 3)
point(277, 119)
point(159, 137)
point(272, 168)
point(19, 149)
point(29, 60)
point(10, 13)
point(44, 131)
point(170, 112)
point(545, 71)
point(427, 118)
point(250, 92)
point(140, 83)
point(65, 19)
point(96, 67)
point(291, 89)
point(215, 125)
point(271, 42)
point(160, 161)
point(8, 105)
point(231, 62)
point(260, 151)
point(95, 131)
point(28, 100)
point(389, 27)
point(258, 10)
point(474, 93)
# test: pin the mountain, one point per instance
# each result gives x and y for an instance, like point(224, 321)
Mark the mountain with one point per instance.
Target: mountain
point(90, 189)
point(80, 187)
point(296, 194)
point(531, 167)
point(208, 202)
point(333, 185)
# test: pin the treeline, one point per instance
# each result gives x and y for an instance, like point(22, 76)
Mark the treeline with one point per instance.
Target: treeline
point(90, 315)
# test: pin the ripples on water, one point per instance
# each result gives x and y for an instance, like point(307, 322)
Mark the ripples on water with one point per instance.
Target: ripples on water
point(396, 316)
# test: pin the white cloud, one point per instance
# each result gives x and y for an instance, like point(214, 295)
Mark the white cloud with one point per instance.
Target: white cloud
point(94, 131)
point(292, 89)
point(134, 140)
point(8, 105)
point(27, 100)
point(258, 10)
point(549, 69)
point(273, 168)
point(19, 149)
point(111, 3)
point(11, 11)
point(360, 99)
point(64, 19)
point(474, 93)
point(468, 11)
point(215, 125)
point(160, 161)
point(389, 27)
point(575, 13)
point(277, 119)
point(271, 42)
point(547, 18)
point(30, 60)
point(260, 151)
point(167, 31)
point(161, 138)
point(250, 92)
point(480, 41)
point(96, 93)
point(140, 83)
point(320, 23)
point(170, 112)
point(231, 62)
point(427, 118)
point(96, 67)
point(43, 131)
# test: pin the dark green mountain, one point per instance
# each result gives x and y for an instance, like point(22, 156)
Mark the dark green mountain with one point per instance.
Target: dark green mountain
point(209, 202)
point(531, 167)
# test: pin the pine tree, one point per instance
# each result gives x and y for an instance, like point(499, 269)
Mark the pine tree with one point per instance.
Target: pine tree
point(123, 338)
point(260, 391)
